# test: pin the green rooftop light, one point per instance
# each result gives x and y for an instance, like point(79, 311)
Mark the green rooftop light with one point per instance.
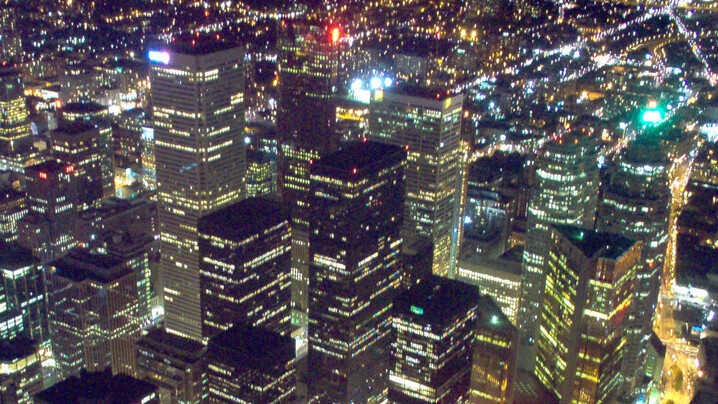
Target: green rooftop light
point(417, 310)
point(651, 116)
point(494, 319)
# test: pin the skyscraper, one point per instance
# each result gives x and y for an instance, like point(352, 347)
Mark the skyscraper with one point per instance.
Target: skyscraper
point(246, 364)
point(585, 314)
point(21, 375)
point(24, 290)
point(357, 194)
point(15, 135)
point(427, 123)
point(93, 313)
point(636, 204)
point(306, 114)
point(174, 364)
point(432, 342)
point(245, 258)
point(198, 104)
point(47, 229)
point(565, 192)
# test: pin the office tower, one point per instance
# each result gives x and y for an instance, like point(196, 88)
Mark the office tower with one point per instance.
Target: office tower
point(52, 204)
point(636, 204)
point(432, 343)
point(198, 110)
point(12, 322)
point(245, 258)
point(565, 192)
point(493, 367)
point(427, 123)
point(261, 174)
point(582, 337)
point(149, 166)
point(93, 314)
point(246, 364)
point(13, 207)
point(357, 194)
point(21, 375)
point(499, 278)
point(653, 368)
point(15, 135)
point(100, 388)
point(78, 144)
point(24, 289)
point(306, 115)
point(174, 364)
point(416, 261)
point(133, 249)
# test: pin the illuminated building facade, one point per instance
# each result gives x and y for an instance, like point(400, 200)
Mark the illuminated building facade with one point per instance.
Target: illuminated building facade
point(93, 313)
point(432, 346)
point(306, 119)
point(24, 290)
point(20, 370)
point(174, 364)
point(564, 192)
point(493, 367)
point(582, 339)
point(198, 101)
point(47, 229)
point(245, 261)
point(261, 174)
point(636, 204)
point(15, 135)
point(149, 166)
point(133, 249)
point(78, 144)
point(13, 207)
point(357, 194)
point(427, 123)
point(247, 364)
point(498, 277)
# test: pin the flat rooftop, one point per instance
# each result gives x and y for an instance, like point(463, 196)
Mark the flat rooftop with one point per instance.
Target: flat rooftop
point(97, 387)
point(412, 90)
point(437, 300)
point(591, 243)
point(255, 343)
point(183, 348)
point(359, 159)
point(49, 166)
point(243, 219)
point(199, 46)
point(82, 108)
point(14, 256)
point(16, 348)
point(81, 264)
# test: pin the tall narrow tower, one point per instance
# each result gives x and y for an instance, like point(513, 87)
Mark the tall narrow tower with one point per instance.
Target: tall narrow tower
point(15, 135)
point(198, 104)
point(427, 123)
point(564, 193)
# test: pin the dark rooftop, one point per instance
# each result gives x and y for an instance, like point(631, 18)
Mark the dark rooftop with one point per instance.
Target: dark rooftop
point(97, 387)
point(359, 159)
point(82, 107)
point(242, 219)
point(696, 265)
point(412, 90)
point(199, 46)
point(14, 256)
point(81, 264)
point(189, 350)
point(243, 341)
point(49, 166)
point(16, 348)
point(437, 300)
point(491, 316)
point(592, 243)
point(73, 127)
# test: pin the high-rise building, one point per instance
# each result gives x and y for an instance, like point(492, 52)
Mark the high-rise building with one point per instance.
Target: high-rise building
point(77, 143)
point(21, 375)
point(100, 388)
point(582, 339)
point(357, 194)
point(15, 134)
point(432, 342)
point(13, 207)
point(93, 313)
point(246, 364)
point(306, 117)
point(427, 123)
point(47, 229)
point(24, 288)
point(636, 204)
point(565, 192)
point(133, 249)
point(174, 364)
point(493, 367)
point(261, 174)
point(245, 262)
point(198, 110)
